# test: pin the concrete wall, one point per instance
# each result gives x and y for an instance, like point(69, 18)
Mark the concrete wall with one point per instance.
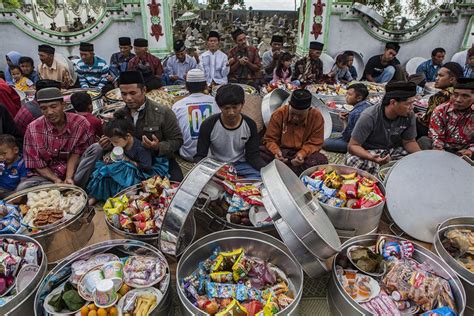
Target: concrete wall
point(351, 35)
point(105, 44)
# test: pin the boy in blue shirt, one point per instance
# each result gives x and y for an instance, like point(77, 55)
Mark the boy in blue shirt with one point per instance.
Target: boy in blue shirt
point(12, 166)
point(356, 96)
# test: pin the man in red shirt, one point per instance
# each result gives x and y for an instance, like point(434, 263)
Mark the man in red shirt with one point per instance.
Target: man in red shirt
point(149, 65)
point(244, 62)
point(54, 142)
point(82, 103)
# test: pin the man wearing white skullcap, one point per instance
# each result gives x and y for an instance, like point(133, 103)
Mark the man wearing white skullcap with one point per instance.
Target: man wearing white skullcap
point(192, 111)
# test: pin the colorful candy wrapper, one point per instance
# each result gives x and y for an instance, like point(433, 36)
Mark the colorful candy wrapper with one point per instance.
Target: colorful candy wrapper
point(318, 174)
point(333, 180)
point(315, 184)
point(241, 267)
point(233, 309)
point(254, 200)
point(144, 227)
point(237, 204)
point(328, 191)
point(335, 202)
point(348, 190)
point(245, 190)
point(442, 311)
point(253, 307)
point(284, 300)
point(321, 197)
point(370, 200)
point(349, 176)
point(190, 292)
point(143, 216)
point(229, 187)
point(270, 308)
point(221, 277)
point(220, 290)
point(365, 187)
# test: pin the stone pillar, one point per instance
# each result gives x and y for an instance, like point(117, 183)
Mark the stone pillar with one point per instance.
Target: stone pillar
point(313, 24)
point(156, 20)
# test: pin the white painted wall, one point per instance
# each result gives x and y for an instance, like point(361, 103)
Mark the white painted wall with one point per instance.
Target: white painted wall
point(350, 35)
point(105, 44)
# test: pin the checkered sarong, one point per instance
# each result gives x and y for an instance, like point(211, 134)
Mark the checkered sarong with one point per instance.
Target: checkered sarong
point(370, 166)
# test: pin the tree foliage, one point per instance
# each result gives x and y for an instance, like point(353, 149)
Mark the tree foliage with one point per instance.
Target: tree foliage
point(393, 10)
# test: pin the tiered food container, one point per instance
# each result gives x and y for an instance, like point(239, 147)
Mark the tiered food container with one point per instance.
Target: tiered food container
point(309, 236)
point(341, 303)
point(189, 226)
point(22, 302)
point(466, 277)
point(121, 248)
point(66, 236)
point(351, 222)
point(255, 244)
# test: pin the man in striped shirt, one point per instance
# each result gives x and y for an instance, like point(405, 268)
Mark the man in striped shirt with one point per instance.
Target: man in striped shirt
point(92, 71)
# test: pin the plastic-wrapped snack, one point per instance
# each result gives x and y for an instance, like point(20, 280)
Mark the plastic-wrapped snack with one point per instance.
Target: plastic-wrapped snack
point(271, 307)
point(220, 290)
point(333, 180)
point(237, 204)
point(144, 227)
point(349, 176)
point(253, 307)
point(246, 190)
point(319, 174)
point(335, 202)
point(284, 300)
point(221, 277)
point(328, 192)
point(233, 309)
point(254, 200)
point(369, 200)
point(321, 197)
point(143, 216)
point(312, 184)
point(442, 311)
point(190, 292)
point(241, 267)
point(228, 259)
point(260, 274)
point(365, 187)
point(402, 249)
point(31, 253)
point(229, 187)
point(127, 224)
point(348, 190)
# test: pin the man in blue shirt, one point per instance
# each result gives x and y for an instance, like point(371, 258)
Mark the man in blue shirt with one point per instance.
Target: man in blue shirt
point(12, 167)
point(430, 67)
point(92, 71)
point(119, 61)
point(178, 65)
point(356, 96)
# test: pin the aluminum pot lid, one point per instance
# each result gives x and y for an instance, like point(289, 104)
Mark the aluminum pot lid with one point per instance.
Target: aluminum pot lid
point(271, 102)
point(287, 199)
point(426, 188)
point(182, 204)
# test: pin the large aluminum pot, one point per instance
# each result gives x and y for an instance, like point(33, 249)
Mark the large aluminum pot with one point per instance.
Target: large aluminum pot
point(22, 303)
point(349, 222)
point(119, 247)
point(256, 244)
point(340, 303)
point(189, 226)
point(60, 240)
point(466, 277)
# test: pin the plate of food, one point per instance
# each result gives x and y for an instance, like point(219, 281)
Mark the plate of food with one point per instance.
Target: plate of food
point(139, 302)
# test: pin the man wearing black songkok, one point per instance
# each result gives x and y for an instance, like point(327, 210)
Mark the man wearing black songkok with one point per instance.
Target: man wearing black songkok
point(452, 123)
point(309, 69)
point(155, 125)
point(52, 69)
point(383, 68)
point(149, 65)
point(385, 131)
point(270, 57)
point(119, 61)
